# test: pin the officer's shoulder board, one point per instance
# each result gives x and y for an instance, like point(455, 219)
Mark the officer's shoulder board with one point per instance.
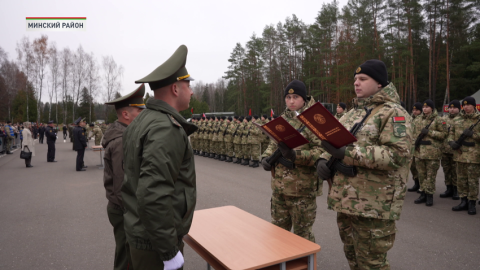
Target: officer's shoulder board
point(174, 122)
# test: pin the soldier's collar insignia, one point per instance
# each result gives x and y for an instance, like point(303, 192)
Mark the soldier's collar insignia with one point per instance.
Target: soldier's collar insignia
point(291, 91)
point(358, 70)
point(175, 122)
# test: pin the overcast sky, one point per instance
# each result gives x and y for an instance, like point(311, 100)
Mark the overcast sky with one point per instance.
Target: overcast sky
point(141, 35)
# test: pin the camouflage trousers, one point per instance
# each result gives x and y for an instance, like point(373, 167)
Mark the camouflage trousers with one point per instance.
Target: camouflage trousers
point(468, 175)
point(427, 173)
point(238, 150)
point(413, 169)
point(229, 149)
point(299, 212)
point(255, 150)
point(213, 149)
point(366, 240)
point(8, 143)
point(264, 147)
point(221, 147)
point(246, 151)
point(449, 169)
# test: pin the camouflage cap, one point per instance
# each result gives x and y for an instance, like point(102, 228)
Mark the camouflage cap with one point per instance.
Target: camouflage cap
point(133, 99)
point(170, 71)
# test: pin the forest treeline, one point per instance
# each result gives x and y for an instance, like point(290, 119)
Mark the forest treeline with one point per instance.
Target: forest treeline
point(75, 81)
point(431, 49)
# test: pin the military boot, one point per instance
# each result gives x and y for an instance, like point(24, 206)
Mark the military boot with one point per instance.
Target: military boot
point(217, 157)
point(229, 159)
point(238, 161)
point(204, 154)
point(471, 207)
point(462, 206)
point(421, 199)
point(212, 155)
point(455, 194)
point(448, 192)
point(415, 187)
point(255, 164)
point(222, 158)
point(429, 200)
point(245, 162)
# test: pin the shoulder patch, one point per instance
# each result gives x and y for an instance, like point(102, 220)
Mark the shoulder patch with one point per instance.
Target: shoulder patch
point(175, 122)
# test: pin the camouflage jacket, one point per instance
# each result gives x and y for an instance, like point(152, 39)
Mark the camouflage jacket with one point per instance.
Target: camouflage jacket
point(436, 134)
point(237, 139)
point(221, 131)
point(255, 134)
point(208, 130)
point(97, 133)
point(232, 126)
point(245, 131)
point(214, 133)
point(382, 154)
point(302, 180)
point(448, 119)
point(339, 115)
point(466, 154)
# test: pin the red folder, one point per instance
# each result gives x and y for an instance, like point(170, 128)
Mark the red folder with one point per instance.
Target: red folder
point(325, 126)
point(280, 130)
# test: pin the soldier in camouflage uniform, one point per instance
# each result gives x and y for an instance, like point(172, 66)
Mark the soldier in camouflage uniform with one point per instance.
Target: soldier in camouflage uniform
point(341, 108)
point(200, 131)
point(244, 141)
point(265, 140)
point(429, 153)
point(448, 164)
point(228, 138)
point(369, 203)
point(467, 155)
point(237, 140)
point(416, 111)
point(294, 191)
point(221, 138)
point(192, 137)
point(97, 133)
point(254, 141)
point(206, 136)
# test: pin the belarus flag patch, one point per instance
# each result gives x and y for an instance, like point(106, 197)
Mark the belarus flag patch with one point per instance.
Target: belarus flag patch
point(399, 119)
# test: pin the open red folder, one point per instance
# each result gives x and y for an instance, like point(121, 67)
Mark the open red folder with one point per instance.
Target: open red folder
point(325, 126)
point(280, 130)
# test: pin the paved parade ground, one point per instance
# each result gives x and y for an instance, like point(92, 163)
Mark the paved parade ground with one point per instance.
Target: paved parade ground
point(53, 217)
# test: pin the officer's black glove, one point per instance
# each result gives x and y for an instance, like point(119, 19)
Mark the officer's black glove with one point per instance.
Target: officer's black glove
point(467, 132)
point(424, 131)
point(266, 166)
point(286, 151)
point(322, 170)
point(454, 145)
point(338, 153)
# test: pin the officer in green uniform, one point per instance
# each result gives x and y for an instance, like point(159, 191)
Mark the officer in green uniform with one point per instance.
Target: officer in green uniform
point(159, 187)
point(429, 152)
point(448, 164)
point(341, 107)
point(369, 203)
point(416, 111)
point(127, 108)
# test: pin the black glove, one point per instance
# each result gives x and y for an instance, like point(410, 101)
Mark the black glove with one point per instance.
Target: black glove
point(322, 170)
point(424, 131)
point(467, 132)
point(266, 166)
point(454, 145)
point(338, 153)
point(286, 151)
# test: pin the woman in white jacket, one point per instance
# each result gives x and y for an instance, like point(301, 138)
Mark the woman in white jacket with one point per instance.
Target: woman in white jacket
point(28, 142)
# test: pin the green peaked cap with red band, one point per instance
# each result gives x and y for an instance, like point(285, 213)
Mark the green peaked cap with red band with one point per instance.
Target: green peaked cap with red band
point(170, 71)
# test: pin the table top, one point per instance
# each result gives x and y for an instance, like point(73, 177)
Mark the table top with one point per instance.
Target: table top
point(240, 240)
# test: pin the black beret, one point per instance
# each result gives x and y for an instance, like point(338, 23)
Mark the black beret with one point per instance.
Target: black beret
point(343, 105)
point(235, 117)
point(203, 118)
point(296, 87)
point(469, 101)
point(429, 103)
point(269, 118)
point(375, 69)
point(454, 104)
point(417, 106)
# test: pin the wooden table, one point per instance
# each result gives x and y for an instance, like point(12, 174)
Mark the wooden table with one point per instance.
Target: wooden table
point(96, 148)
point(230, 238)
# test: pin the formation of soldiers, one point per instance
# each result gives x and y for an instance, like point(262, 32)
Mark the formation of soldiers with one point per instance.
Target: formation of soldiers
point(451, 141)
point(225, 138)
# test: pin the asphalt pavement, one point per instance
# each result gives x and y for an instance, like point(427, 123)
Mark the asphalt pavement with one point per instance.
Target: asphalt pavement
point(53, 217)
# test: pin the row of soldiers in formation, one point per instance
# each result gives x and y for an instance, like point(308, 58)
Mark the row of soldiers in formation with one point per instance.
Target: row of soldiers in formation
point(452, 140)
point(225, 138)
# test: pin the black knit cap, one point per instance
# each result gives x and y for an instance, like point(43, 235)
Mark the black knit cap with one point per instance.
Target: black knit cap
point(343, 105)
point(469, 101)
point(429, 103)
point(224, 117)
point(240, 119)
point(235, 117)
point(417, 106)
point(375, 69)
point(229, 118)
point(264, 116)
point(249, 118)
point(296, 87)
point(454, 104)
point(203, 118)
